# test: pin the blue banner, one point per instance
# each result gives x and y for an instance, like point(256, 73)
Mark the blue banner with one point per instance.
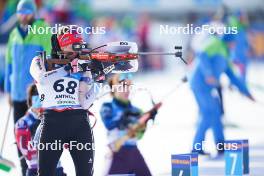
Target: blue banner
point(245, 157)
point(234, 158)
point(185, 164)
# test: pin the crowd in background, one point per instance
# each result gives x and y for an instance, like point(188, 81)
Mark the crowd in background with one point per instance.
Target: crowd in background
point(131, 26)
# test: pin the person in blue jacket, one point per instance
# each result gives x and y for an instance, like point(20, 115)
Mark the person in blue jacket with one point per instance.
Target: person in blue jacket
point(240, 52)
point(117, 115)
point(209, 65)
point(22, 47)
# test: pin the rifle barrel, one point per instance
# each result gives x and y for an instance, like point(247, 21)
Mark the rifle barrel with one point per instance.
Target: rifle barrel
point(154, 53)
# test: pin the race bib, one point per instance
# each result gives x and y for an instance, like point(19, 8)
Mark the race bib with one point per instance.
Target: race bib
point(62, 92)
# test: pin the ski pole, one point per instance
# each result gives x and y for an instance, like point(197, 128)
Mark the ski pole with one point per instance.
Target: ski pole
point(6, 165)
point(181, 82)
point(102, 95)
point(158, 105)
point(259, 102)
point(5, 130)
point(257, 87)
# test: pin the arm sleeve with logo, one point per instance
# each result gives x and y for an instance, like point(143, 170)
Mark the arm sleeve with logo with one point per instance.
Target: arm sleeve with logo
point(40, 75)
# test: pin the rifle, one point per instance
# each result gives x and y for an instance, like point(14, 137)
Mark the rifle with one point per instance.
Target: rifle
point(133, 129)
point(116, 53)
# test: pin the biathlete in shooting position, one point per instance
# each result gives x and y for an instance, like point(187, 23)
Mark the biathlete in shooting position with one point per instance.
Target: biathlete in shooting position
point(27, 132)
point(66, 92)
point(121, 118)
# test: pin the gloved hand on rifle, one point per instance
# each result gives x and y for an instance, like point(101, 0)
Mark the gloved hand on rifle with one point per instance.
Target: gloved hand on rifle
point(128, 117)
point(153, 114)
point(72, 66)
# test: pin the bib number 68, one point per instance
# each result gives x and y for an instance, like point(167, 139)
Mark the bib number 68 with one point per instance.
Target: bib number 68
point(59, 87)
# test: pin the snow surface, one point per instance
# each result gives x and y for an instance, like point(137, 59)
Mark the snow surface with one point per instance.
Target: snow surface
point(174, 128)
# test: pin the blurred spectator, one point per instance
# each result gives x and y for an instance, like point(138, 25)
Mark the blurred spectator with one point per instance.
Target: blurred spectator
point(128, 25)
point(21, 48)
point(7, 18)
point(210, 63)
point(240, 50)
point(2, 73)
point(143, 31)
point(7, 9)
